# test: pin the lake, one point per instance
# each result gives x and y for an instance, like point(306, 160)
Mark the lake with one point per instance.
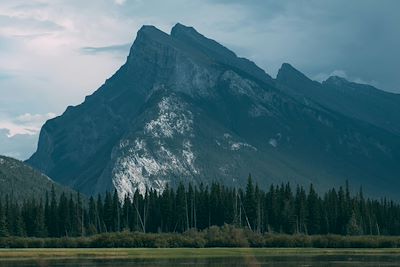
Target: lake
point(209, 257)
point(259, 261)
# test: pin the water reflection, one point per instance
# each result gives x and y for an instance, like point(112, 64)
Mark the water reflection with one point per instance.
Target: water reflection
point(290, 261)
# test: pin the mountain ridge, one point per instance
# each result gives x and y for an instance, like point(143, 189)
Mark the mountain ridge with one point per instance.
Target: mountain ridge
point(359, 101)
point(184, 108)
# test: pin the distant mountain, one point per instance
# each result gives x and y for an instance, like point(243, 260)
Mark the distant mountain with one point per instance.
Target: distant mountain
point(359, 101)
point(185, 108)
point(20, 181)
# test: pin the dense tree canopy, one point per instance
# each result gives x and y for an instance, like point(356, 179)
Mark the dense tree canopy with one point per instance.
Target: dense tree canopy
point(280, 209)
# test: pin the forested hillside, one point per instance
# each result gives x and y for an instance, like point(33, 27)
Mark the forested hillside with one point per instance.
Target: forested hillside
point(22, 182)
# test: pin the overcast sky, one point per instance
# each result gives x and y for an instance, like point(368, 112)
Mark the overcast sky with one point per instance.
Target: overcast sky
point(54, 52)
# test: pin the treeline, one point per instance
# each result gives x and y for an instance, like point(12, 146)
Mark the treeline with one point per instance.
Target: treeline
point(281, 209)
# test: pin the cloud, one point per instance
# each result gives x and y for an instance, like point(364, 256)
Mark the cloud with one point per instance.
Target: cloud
point(19, 135)
point(18, 25)
point(26, 124)
point(320, 77)
point(18, 146)
point(120, 49)
point(120, 2)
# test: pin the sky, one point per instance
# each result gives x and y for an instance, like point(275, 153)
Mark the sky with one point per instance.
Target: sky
point(55, 52)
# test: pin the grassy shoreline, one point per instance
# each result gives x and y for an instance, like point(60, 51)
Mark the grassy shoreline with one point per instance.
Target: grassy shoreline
point(177, 253)
point(224, 237)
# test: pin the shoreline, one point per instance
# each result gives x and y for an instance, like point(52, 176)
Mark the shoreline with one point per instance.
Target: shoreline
point(182, 253)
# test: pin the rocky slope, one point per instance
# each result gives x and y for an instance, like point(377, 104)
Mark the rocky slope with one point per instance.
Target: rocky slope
point(183, 107)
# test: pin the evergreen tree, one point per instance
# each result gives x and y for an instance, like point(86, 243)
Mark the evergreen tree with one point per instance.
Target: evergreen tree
point(64, 216)
point(53, 215)
point(108, 212)
point(116, 213)
point(313, 220)
point(100, 224)
point(180, 209)
point(93, 217)
point(80, 216)
point(18, 227)
point(176, 210)
point(39, 222)
point(3, 222)
point(250, 203)
point(352, 227)
point(300, 210)
point(47, 213)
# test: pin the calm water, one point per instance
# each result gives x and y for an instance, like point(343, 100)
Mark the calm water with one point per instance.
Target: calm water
point(364, 261)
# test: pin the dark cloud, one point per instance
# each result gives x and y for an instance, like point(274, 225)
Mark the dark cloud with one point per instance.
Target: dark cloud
point(361, 38)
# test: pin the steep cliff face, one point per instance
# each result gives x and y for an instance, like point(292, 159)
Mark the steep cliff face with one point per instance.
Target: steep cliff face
point(185, 108)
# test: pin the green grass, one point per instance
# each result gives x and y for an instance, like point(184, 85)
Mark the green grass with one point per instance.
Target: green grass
point(164, 253)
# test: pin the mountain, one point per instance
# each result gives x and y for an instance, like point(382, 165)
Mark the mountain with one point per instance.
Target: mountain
point(185, 108)
point(21, 182)
point(359, 101)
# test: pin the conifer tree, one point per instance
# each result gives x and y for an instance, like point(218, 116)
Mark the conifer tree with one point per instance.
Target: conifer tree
point(3, 222)
point(53, 215)
point(180, 209)
point(250, 203)
point(352, 227)
point(313, 220)
point(278, 209)
point(92, 217)
point(64, 216)
point(108, 212)
point(39, 221)
point(116, 213)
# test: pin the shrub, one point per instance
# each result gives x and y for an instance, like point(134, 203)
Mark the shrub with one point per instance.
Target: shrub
point(225, 236)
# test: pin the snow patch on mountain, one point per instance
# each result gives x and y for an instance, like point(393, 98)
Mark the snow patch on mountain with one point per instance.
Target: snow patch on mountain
point(227, 136)
point(172, 119)
point(129, 173)
point(192, 78)
point(189, 156)
point(235, 145)
point(239, 145)
point(273, 142)
point(238, 84)
point(149, 163)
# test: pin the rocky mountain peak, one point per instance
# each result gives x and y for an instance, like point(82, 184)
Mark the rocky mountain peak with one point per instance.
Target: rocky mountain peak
point(185, 60)
point(191, 37)
point(336, 80)
point(150, 38)
point(217, 52)
point(289, 74)
point(183, 29)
